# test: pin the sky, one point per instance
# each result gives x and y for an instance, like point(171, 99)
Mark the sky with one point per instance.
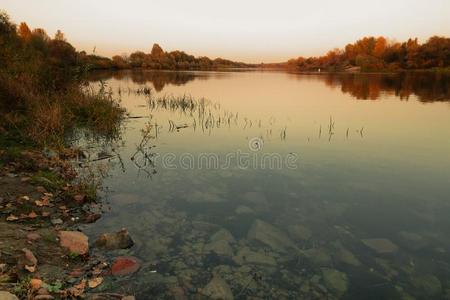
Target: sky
point(245, 30)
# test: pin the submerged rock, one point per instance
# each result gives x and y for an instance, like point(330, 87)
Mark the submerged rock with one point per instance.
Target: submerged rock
point(242, 209)
point(218, 289)
point(75, 241)
point(381, 245)
point(203, 197)
point(346, 257)
point(7, 296)
point(115, 240)
point(125, 199)
point(319, 256)
point(299, 232)
point(428, 285)
point(411, 240)
point(246, 256)
point(269, 235)
point(205, 226)
point(385, 265)
point(220, 247)
point(335, 280)
point(223, 234)
point(125, 265)
point(257, 199)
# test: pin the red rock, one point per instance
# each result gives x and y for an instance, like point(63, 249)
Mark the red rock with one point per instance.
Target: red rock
point(125, 265)
point(75, 241)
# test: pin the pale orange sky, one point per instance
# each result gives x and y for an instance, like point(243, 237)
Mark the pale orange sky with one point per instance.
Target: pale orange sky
point(245, 30)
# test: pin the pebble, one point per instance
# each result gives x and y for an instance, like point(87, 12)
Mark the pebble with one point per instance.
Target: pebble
point(75, 241)
point(56, 221)
point(7, 296)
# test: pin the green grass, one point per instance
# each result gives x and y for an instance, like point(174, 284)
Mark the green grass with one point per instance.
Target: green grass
point(48, 179)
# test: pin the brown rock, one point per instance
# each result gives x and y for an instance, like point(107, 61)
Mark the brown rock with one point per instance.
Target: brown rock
point(92, 218)
point(125, 265)
point(42, 291)
point(30, 259)
point(33, 236)
point(116, 240)
point(75, 241)
point(7, 296)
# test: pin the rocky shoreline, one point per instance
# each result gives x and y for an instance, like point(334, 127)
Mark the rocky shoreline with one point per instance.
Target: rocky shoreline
point(43, 254)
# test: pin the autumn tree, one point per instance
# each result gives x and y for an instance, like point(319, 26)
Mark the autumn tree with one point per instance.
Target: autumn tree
point(380, 47)
point(137, 59)
point(41, 33)
point(24, 31)
point(119, 61)
point(59, 36)
point(157, 51)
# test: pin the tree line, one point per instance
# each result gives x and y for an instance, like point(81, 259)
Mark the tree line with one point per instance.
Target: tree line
point(175, 60)
point(380, 54)
point(62, 52)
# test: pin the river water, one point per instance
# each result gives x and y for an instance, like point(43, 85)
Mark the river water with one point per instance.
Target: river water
point(280, 186)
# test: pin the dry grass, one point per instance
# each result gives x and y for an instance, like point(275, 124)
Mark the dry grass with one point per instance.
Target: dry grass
point(45, 118)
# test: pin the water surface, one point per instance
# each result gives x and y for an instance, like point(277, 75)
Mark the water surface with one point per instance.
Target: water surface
point(287, 186)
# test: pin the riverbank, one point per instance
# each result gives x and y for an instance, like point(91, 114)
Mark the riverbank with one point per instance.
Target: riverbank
point(43, 255)
point(44, 196)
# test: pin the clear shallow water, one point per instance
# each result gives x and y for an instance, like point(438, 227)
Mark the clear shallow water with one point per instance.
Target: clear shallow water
point(286, 186)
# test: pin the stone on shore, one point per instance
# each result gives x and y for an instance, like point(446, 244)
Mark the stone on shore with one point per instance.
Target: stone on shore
point(30, 259)
point(75, 241)
point(7, 296)
point(32, 236)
